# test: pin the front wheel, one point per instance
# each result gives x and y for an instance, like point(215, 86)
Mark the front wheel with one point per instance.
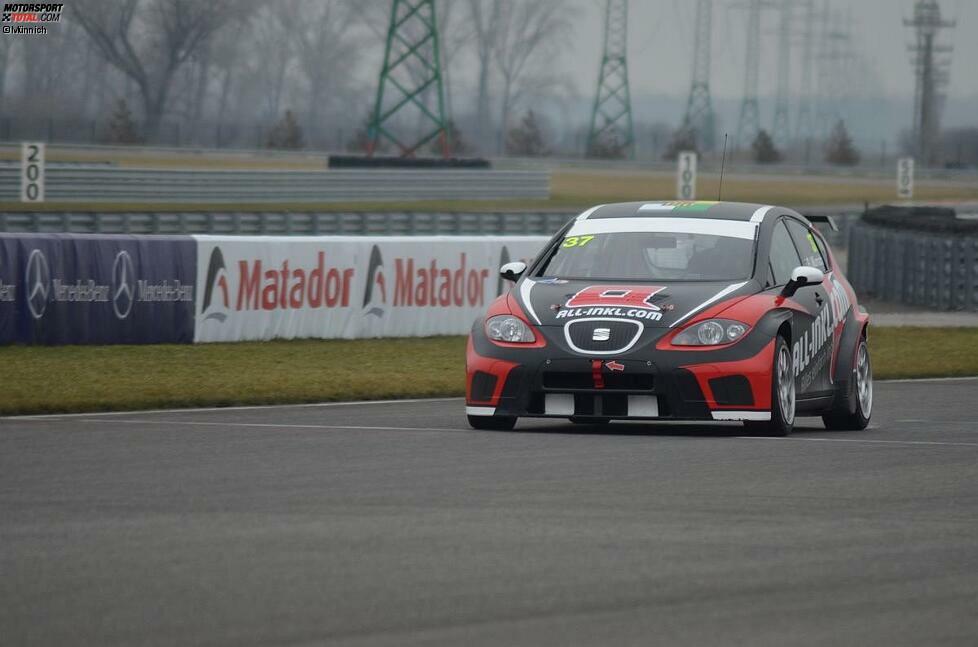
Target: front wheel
point(782, 394)
point(854, 409)
point(492, 423)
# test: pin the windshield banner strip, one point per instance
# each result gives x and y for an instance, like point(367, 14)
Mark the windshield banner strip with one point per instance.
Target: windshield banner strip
point(714, 227)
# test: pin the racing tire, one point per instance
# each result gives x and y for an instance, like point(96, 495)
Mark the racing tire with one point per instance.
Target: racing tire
point(577, 420)
point(782, 395)
point(492, 423)
point(852, 410)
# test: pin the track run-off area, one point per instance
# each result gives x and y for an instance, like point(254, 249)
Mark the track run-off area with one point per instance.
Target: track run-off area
point(393, 523)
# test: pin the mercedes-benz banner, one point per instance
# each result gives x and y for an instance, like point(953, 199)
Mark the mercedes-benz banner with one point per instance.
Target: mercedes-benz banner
point(263, 287)
point(96, 289)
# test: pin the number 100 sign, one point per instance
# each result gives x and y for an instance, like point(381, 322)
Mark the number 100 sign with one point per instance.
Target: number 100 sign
point(686, 176)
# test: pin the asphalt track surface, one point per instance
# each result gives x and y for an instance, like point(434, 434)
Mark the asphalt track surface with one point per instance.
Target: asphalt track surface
point(395, 524)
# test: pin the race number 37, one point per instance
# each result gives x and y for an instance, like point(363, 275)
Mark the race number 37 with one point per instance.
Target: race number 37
point(32, 172)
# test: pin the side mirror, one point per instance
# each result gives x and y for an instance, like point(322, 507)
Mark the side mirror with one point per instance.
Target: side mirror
point(802, 277)
point(512, 271)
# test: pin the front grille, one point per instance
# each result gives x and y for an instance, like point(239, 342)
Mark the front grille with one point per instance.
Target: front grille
point(577, 381)
point(615, 337)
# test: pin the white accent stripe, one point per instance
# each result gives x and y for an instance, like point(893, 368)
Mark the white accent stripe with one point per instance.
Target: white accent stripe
point(716, 297)
point(711, 226)
point(741, 415)
point(480, 411)
point(587, 213)
point(525, 288)
point(758, 216)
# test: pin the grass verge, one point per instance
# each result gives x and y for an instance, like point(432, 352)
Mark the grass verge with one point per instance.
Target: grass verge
point(100, 378)
point(576, 190)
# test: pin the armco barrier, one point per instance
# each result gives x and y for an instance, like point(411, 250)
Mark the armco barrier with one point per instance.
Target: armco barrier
point(328, 287)
point(105, 289)
point(392, 223)
point(925, 263)
point(100, 184)
point(63, 289)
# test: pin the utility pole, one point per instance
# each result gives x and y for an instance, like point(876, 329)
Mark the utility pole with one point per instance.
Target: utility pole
point(931, 76)
point(409, 76)
point(749, 123)
point(699, 120)
point(779, 132)
point(611, 117)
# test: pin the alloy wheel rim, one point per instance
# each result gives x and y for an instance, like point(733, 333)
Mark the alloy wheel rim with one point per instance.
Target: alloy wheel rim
point(786, 385)
point(864, 380)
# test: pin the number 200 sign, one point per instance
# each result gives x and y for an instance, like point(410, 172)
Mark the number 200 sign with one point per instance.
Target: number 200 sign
point(32, 172)
point(686, 176)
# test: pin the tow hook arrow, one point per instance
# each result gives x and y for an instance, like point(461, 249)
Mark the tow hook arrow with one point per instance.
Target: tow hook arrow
point(614, 366)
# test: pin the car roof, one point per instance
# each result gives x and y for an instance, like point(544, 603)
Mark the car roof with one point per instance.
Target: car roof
point(741, 211)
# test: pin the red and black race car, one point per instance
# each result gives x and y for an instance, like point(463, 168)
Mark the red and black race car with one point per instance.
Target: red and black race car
point(675, 311)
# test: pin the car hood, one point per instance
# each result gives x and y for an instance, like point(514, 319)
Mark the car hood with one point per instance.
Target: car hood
point(554, 302)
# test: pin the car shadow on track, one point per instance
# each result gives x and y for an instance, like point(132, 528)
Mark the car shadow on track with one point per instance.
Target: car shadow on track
point(682, 429)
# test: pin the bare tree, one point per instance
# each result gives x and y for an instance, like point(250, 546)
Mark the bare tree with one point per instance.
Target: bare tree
point(525, 31)
point(150, 40)
point(486, 15)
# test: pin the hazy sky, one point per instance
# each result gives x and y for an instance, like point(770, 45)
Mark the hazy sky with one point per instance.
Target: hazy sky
point(660, 44)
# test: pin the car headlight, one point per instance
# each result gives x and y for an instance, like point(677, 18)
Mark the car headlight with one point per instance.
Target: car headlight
point(711, 332)
point(509, 329)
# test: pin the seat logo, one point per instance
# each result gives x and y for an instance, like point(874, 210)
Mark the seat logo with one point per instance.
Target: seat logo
point(123, 285)
point(37, 280)
point(601, 334)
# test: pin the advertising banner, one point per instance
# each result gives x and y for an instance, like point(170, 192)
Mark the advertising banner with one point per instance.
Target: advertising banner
point(96, 289)
point(263, 287)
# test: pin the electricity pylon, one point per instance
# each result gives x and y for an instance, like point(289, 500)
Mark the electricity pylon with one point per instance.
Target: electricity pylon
point(403, 113)
point(779, 132)
point(699, 118)
point(931, 74)
point(611, 118)
point(749, 123)
point(805, 124)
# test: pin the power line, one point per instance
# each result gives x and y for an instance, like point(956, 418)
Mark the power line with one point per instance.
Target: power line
point(699, 119)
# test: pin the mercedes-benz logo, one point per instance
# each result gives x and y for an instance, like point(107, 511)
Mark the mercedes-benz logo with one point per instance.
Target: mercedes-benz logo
point(37, 281)
point(123, 284)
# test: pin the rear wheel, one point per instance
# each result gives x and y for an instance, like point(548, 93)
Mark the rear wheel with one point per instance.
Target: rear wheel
point(853, 410)
point(492, 423)
point(782, 395)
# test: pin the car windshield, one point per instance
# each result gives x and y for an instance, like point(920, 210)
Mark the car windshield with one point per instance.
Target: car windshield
point(651, 256)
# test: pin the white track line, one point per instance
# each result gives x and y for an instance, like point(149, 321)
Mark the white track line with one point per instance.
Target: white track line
point(201, 423)
point(862, 440)
point(240, 408)
point(963, 378)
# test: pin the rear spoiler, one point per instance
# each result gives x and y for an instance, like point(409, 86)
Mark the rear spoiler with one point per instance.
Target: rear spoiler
point(824, 219)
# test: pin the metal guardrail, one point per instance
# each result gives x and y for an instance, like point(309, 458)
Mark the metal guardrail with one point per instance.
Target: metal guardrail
point(88, 184)
point(287, 223)
point(395, 223)
point(939, 271)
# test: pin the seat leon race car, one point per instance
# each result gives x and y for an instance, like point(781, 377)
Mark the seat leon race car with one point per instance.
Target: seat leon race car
point(675, 311)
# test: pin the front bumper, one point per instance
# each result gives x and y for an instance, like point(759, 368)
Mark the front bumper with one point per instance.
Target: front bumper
point(644, 384)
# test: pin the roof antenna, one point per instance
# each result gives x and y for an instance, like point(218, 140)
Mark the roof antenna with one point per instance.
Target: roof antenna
point(723, 161)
